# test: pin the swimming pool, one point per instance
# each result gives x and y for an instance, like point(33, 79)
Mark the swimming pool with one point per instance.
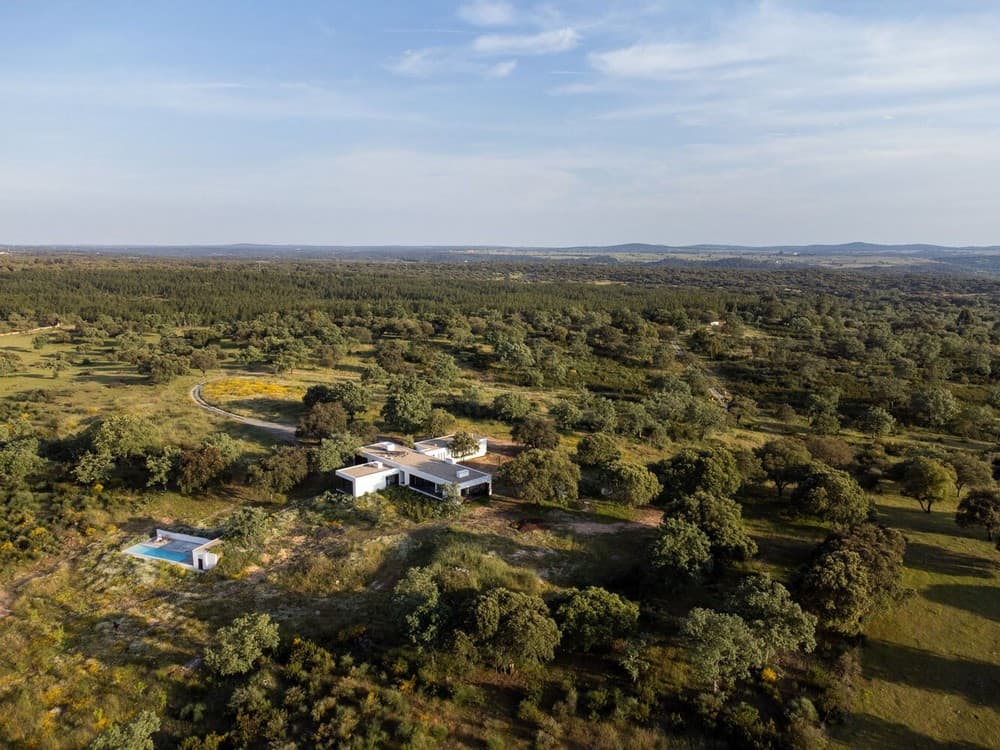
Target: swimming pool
point(161, 552)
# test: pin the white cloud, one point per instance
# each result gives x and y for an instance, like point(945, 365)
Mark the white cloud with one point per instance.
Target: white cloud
point(542, 43)
point(414, 63)
point(486, 13)
point(430, 62)
point(784, 51)
point(501, 69)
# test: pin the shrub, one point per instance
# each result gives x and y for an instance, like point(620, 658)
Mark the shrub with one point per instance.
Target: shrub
point(239, 646)
point(594, 618)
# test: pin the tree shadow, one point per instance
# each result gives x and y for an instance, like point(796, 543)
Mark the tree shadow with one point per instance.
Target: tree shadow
point(270, 409)
point(940, 521)
point(979, 600)
point(112, 379)
point(977, 681)
point(784, 551)
point(138, 525)
point(872, 731)
point(130, 638)
point(935, 559)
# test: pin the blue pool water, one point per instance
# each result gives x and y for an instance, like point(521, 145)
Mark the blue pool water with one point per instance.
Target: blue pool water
point(160, 552)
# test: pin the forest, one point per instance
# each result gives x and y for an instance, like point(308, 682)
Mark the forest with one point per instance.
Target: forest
point(748, 508)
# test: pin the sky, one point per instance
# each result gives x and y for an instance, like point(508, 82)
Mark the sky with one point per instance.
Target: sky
point(571, 122)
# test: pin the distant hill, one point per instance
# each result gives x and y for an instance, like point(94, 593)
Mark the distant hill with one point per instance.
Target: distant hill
point(852, 255)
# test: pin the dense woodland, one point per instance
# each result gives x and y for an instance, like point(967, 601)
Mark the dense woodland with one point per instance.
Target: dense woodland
point(767, 421)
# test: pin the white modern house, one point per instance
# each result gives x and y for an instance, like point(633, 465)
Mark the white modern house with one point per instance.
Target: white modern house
point(388, 464)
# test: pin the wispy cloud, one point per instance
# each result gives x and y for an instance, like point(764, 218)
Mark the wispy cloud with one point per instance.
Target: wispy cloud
point(414, 63)
point(429, 62)
point(502, 69)
point(780, 48)
point(781, 68)
point(542, 43)
point(487, 13)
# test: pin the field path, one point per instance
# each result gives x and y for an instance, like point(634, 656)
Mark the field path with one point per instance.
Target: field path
point(283, 431)
point(32, 330)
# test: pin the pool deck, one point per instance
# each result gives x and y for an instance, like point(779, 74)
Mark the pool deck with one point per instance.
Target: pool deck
point(171, 547)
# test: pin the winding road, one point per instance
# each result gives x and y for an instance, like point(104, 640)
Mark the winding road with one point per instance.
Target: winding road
point(283, 431)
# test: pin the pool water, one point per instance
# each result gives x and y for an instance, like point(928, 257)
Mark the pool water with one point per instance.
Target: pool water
point(160, 552)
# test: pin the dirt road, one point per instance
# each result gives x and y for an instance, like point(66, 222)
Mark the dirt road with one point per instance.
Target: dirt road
point(283, 431)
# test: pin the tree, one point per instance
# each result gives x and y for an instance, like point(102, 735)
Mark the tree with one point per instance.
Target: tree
point(246, 525)
point(9, 363)
point(542, 476)
point(981, 507)
point(774, 617)
point(536, 432)
point(784, 461)
point(439, 422)
point(877, 422)
point(934, 406)
point(823, 411)
point(837, 589)
point(281, 471)
point(928, 481)
point(408, 404)
point(632, 484)
point(162, 368)
point(417, 597)
point(18, 460)
point(566, 414)
point(831, 495)
point(114, 441)
point(452, 493)
point(463, 444)
point(721, 519)
point(598, 449)
point(123, 436)
point(712, 471)
point(853, 575)
point(742, 408)
point(722, 646)
point(317, 394)
point(336, 451)
point(239, 646)
point(514, 629)
point(322, 420)
point(160, 466)
point(682, 552)
point(136, 734)
point(831, 451)
point(353, 396)
point(204, 360)
point(511, 407)
point(702, 418)
point(594, 618)
point(970, 471)
point(198, 467)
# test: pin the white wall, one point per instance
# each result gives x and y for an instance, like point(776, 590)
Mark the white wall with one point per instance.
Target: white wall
point(370, 483)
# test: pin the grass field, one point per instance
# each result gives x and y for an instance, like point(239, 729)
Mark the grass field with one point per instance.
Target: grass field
point(99, 632)
point(932, 666)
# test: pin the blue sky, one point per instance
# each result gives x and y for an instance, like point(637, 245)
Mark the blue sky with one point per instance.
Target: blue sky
point(480, 122)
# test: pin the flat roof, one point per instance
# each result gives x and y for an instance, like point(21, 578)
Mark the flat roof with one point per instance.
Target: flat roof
point(364, 470)
point(445, 471)
point(441, 442)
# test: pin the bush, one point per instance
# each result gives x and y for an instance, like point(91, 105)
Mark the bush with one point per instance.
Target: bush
point(594, 618)
point(239, 646)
